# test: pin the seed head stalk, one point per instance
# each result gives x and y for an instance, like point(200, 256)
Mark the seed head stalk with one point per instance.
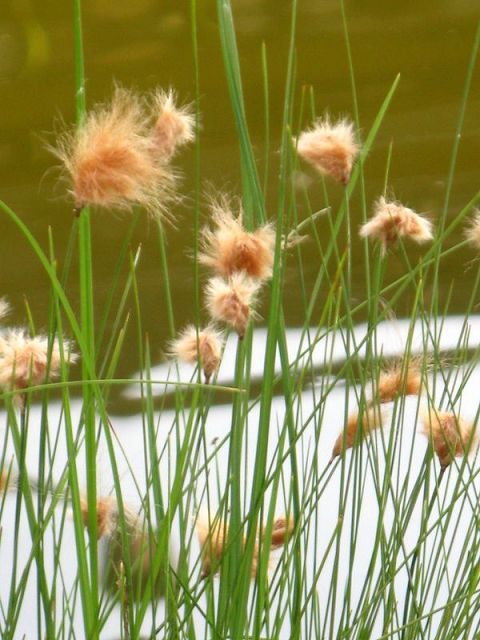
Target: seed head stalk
point(89, 594)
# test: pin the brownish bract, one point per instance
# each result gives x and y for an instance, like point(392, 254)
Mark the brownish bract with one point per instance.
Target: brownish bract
point(231, 301)
point(204, 347)
point(450, 435)
point(174, 126)
point(330, 147)
point(398, 379)
point(27, 361)
point(356, 429)
point(109, 159)
point(391, 221)
point(229, 248)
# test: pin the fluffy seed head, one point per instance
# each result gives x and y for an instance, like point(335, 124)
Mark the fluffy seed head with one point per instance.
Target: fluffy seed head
point(204, 348)
point(282, 531)
point(356, 429)
point(107, 516)
point(213, 538)
point(174, 126)
point(231, 301)
point(109, 159)
point(450, 436)
point(397, 380)
point(3, 481)
point(229, 248)
point(331, 148)
point(391, 220)
point(4, 308)
point(26, 361)
point(472, 231)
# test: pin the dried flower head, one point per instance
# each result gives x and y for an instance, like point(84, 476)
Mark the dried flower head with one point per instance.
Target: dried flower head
point(26, 361)
point(229, 248)
point(108, 516)
point(472, 231)
point(109, 158)
point(391, 220)
point(450, 435)
point(204, 347)
point(356, 429)
point(330, 147)
point(398, 379)
point(231, 301)
point(174, 126)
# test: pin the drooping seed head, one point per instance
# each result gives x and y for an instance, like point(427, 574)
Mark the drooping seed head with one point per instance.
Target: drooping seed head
point(203, 347)
point(232, 301)
point(330, 147)
point(391, 221)
point(229, 248)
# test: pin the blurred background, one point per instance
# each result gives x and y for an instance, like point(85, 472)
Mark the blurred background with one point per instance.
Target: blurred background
point(147, 43)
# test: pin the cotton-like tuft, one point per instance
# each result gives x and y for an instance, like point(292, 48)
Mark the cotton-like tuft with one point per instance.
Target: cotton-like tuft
point(174, 126)
point(330, 147)
point(232, 301)
point(109, 159)
point(450, 435)
point(472, 231)
point(26, 361)
point(399, 379)
point(229, 248)
point(356, 429)
point(391, 221)
point(108, 516)
point(204, 347)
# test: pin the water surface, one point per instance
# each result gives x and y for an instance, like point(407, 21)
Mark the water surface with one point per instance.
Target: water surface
point(144, 44)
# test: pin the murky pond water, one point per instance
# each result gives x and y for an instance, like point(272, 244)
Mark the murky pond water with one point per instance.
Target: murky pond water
point(146, 43)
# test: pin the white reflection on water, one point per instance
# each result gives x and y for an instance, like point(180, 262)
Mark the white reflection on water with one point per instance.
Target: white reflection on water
point(391, 338)
point(318, 429)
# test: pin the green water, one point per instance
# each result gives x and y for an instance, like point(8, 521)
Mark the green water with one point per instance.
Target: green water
point(147, 43)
